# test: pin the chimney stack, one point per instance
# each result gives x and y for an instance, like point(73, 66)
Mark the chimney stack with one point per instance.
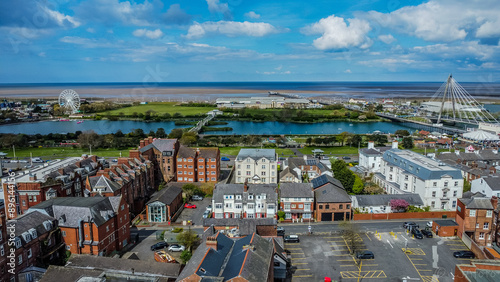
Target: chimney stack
point(394, 144)
point(141, 144)
point(212, 242)
point(150, 140)
point(494, 201)
point(32, 177)
point(245, 186)
point(371, 144)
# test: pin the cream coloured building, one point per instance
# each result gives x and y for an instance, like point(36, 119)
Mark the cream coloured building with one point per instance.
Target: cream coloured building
point(257, 166)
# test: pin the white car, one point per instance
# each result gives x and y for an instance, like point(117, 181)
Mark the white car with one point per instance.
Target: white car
point(429, 224)
point(209, 208)
point(197, 198)
point(176, 248)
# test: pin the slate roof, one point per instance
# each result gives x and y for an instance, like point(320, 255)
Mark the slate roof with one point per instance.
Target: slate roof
point(98, 266)
point(493, 183)
point(104, 184)
point(238, 189)
point(208, 152)
point(330, 193)
point(70, 210)
point(246, 226)
point(145, 148)
point(324, 179)
point(296, 190)
point(374, 151)
point(231, 259)
point(30, 220)
point(419, 165)
point(164, 144)
point(384, 199)
point(167, 195)
point(186, 152)
point(257, 154)
point(477, 203)
point(445, 222)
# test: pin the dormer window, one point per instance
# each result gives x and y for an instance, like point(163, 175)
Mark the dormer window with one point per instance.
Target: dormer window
point(18, 242)
point(33, 233)
point(48, 225)
point(26, 237)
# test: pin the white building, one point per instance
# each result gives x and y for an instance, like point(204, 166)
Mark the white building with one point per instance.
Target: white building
point(256, 166)
point(489, 186)
point(382, 203)
point(404, 171)
point(245, 201)
point(294, 169)
point(262, 102)
point(370, 158)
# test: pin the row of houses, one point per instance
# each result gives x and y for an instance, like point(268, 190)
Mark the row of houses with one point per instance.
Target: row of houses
point(263, 103)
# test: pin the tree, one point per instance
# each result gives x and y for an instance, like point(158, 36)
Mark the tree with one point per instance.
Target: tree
point(186, 256)
point(176, 133)
point(160, 133)
point(89, 138)
point(350, 233)
point(358, 186)
point(399, 205)
point(309, 140)
point(467, 185)
point(343, 174)
point(188, 138)
point(407, 142)
point(402, 132)
point(188, 238)
point(355, 140)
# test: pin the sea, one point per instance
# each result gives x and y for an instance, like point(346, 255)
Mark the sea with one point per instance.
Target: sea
point(211, 90)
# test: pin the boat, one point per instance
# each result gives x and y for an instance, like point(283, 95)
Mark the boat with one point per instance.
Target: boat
point(64, 119)
point(79, 122)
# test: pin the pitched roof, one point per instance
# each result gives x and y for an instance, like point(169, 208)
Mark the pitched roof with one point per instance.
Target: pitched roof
point(208, 152)
point(30, 220)
point(103, 184)
point(257, 154)
point(246, 226)
point(478, 203)
point(324, 179)
point(296, 190)
point(384, 199)
point(70, 210)
point(493, 182)
point(186, 152)
point(238, 189)
point(248, 257)
point(167, 195)
point(330, 193)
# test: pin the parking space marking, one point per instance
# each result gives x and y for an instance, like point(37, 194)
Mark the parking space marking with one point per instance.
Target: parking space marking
point(363, 274)
point(299, 263)
point(425, 278)
point(296, 253)
point(429, 279)
point(348, 265)
point(368, 236)
point(299, 276)
point(414, 251)
point(294, 248)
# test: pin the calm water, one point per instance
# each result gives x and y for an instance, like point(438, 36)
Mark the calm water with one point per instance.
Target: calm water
point(239, 127)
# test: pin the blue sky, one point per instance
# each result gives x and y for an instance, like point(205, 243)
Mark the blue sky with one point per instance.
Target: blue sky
point(243, 40)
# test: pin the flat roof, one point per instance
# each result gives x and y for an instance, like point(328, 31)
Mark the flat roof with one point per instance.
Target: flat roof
point(446, 222)
point(46, 168)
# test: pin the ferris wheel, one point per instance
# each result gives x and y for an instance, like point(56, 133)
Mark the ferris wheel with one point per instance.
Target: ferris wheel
point(69, 100)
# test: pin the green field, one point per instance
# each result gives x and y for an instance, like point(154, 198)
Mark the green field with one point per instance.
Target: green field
point(159, 108)
point(60, 152)
point(233, 151)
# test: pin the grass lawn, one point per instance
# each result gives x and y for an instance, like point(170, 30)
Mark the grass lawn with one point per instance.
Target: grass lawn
point(233, 151)
point(160, 108)
point(332, 150)
point(58, 152)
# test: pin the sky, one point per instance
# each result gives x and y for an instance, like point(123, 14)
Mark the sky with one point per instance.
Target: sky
point(153, 41)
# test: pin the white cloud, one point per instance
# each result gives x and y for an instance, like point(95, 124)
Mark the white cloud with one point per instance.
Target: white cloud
point(443, 20)
point(230, 28)
point(90, 30)
point(151, 34)
point(252, 15)
point(86, 42)
point(336, 34)
point(465, 49)
point(214, 6)
point(42, 54)
point(387, 38)
point(62, 20)
point(347, 71)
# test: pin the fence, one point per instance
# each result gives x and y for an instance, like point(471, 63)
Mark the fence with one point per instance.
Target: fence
point(405, 215)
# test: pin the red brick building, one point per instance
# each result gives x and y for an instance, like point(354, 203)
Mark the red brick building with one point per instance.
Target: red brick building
point(198, 165)
point(475, 217)
point(60, 178)
point(90, 225)
point(132, 178)
point(331, 201)
point(37, 243)
point(162, 153)
point(477, 270)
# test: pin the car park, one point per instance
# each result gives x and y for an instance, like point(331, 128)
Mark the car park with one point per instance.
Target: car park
point(280, 231)
point(426, 233)
point(159, 245)
point(189, 206)
point(417, 233)
point(365, 255)
point(176, 248)
point(292, 239)
point(197, 198)
point(464, 254)
point(225, 159)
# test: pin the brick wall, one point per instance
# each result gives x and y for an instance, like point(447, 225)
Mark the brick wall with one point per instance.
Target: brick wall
point(409, 215)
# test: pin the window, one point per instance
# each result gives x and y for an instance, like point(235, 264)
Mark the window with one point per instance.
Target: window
point(287, 206)
point(201, 166)
point(456, 183)
point(263, 180)
point(180, 172)
point(239, 166)
point(301, 206)
point(107, 228)
point(486, 225)
point(347, 206)
point(327, 207)
point(263, 173)
point(272, 167)
point(446, 184)
point(293, 206)
point(433, 194)
point(433, 204)
point(190, 161)
point(20, 260)
point(406, 177)
point(481, 236)
point(64, 233)
point(489, 213)
point(202, 179)
point(248, 172)
point(213, 178)
point(472, 213)
point(29, 253)
point(263, 166)
point(24, 203)
point(454, 193)
point(445, 194)
point(477, 225)
point(179, 166)
point(201, 172)
point(2, 251)
point(201, 160)
point(454, 204)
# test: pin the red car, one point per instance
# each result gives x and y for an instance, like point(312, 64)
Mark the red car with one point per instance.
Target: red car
point(189, 206)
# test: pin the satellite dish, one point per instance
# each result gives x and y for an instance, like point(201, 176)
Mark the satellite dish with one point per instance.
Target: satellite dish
point(70, 101)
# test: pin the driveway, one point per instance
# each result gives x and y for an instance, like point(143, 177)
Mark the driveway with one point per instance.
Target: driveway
point(195, 215)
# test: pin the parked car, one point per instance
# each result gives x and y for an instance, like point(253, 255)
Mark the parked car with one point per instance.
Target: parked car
point(189, 206)
point(409, 224)
point(292, 239)
point(427, 233)
point(176, 248)
point(209, 208)
point(159, 245)
point(365, 255)
point(280, 231)
point(346, 158)
point(417, 233)
point(429, 224)
point(206, 214)
point(225, 159)
point(464, 254)
point(197, 198)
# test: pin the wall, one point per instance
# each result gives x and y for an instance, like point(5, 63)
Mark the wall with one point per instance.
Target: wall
point(473, 247)
point(406, 215)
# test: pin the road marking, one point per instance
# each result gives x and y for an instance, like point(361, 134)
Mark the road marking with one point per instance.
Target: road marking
point(435, 256)
point(390, 243)
point(430, 279)
point(296, 253)
point(298, 276)
point(347, 265)
point(344, 260)
point(363, 274)
point(368, 236)
point(452, 276)
point(424, 278)
point(414, 251)
point(370, 264)
point(294, 248)
point(295, 263)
